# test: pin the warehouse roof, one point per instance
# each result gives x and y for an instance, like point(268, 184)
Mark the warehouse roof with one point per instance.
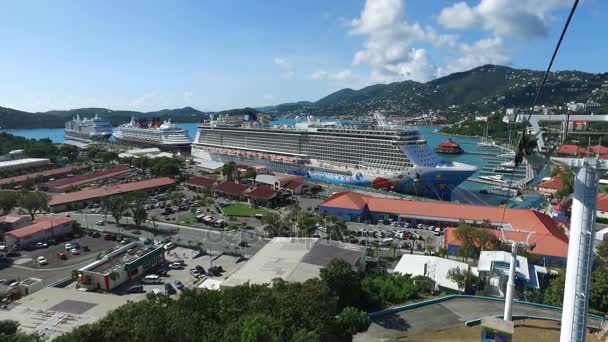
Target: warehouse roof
point(421, 265)
point(39, 225)
point(10, 218)
point(263, 193)
point(293, 259)
point(44, 174)
point(555, 183)
point(88, 177)
point(109, 190)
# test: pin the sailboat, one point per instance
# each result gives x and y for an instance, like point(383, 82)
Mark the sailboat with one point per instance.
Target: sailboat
point(485, 142)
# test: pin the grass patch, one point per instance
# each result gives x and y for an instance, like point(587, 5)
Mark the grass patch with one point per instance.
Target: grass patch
point(242, 209)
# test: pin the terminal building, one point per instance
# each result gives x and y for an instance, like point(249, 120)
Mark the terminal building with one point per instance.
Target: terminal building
point(548, 235)
point(22, 164)
point(43, 175)
point(83, 198)
point(114, 269)
point(61, 185)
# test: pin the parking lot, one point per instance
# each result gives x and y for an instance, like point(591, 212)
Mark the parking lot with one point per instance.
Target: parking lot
point(405, 236)
point(172, 275)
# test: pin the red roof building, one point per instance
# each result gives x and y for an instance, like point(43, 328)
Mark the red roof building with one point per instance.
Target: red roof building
point(231, 189)
point(44, 174)
point(598, 150)
point(602, 205)
point(60, 202)
point(353, 206)
point(41, 229)
point(264, 194)
point(197, 181)
point(11, 222)
point(551, 186)
point(571, 150)
point(87, 178)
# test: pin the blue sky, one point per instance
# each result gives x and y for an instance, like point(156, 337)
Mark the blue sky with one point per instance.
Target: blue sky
point(213, 55)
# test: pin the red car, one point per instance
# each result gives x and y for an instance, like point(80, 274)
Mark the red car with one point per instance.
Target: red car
point(62, 256)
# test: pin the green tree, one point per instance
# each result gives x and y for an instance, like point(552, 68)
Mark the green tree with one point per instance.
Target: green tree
point(275, 224)
point(567, 179)
point(33, 202)
point(460, 277)
point(353, 320)
point(554, 294)
point(466, 234)
point(335, 227)
point(251, 173)
point(343, 282)
point(68, 152)
point(599, 290)
point(259, 328)
point(164, 166)
point(137, 201)
point(228, 171)
point(484, 239)
point(106, 156)
point(176, 197)
point(9, 332)
point(8, 201)
point(117, 206)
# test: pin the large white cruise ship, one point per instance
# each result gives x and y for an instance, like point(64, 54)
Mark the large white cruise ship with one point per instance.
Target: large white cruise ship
point(153, 133)
point(87, 130)
point(382, 155)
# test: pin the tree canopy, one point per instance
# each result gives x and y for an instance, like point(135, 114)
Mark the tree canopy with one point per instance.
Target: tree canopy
point(33, 202)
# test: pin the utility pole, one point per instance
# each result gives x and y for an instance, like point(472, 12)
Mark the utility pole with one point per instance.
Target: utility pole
point(580, 246)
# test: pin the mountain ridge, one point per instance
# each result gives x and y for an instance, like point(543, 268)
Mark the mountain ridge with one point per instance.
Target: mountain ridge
point(482, 89)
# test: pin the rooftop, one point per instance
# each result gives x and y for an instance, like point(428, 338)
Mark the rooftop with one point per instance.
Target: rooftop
point(88, 177)
point(201, 181)
point(293, 259)
point(40, 224)
point(546, 243)
point(415, 264)
point(602, 201)
point(44, 174)
point(11, 218)
point(555, 183)
point(263, 193)
point(24, 161)
point(122, 257)
point(490, 259)
point(89, 194)
point(231, 188)
point(518, 219)
point(266, 179)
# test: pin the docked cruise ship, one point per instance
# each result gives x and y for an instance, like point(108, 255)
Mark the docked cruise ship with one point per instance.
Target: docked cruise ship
point(380, 155)
point(165, 135)
point(87, 129)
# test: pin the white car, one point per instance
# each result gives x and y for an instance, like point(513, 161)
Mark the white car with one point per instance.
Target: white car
point(42, 260)
point(68, 246)
point(169, 246)
point(74, 251)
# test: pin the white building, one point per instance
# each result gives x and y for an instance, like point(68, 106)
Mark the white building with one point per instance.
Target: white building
point(25, 163)
point(294, 259)
point(41, 229)
point(433, 267)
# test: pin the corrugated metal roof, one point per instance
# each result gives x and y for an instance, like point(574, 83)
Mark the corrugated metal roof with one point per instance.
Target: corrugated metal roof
point(201, 181)
point(555, 183)
point(263, 193)
point(88, 177)
point(47, 173)
point(231, 188)
point(109, 190)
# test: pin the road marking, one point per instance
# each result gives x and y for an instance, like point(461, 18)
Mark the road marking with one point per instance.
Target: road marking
point(454, 312)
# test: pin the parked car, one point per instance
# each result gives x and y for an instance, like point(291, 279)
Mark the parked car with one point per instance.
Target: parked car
point(42, 261)
point(76, 245)
point(169, 246)
point(152, 279)
point(179, 284)
point(175, 266)
point(101, 223)
point(135, 289)
point(169, 289)
point(74, 251)
point(41, 245)
point(195, 273)
point(62, 256)
point(68, 246)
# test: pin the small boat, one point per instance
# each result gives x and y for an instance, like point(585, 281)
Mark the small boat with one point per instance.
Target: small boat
point(449, 147)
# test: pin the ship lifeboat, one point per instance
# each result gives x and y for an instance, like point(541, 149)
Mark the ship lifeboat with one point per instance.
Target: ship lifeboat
point(381, 183)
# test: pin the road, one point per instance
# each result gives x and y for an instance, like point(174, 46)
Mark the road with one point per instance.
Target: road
point(209, 239)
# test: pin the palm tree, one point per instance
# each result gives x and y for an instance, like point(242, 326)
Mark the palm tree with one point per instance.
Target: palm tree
point(228, 171)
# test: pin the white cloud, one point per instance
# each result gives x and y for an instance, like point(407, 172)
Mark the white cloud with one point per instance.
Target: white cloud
point(286, 66)
point(484, 51)
point(523, 19)
point(344, 76)
point(145, 100)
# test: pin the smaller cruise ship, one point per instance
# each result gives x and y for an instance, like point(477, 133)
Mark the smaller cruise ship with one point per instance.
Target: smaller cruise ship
point(165, 135)
point(87, 129)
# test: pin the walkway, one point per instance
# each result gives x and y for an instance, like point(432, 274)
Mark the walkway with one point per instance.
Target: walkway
point(450, 313)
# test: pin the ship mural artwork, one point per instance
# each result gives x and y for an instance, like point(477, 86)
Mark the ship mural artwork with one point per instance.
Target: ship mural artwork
point(377, 154)
point(153, 133)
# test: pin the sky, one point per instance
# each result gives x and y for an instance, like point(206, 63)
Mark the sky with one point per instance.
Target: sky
point(212, 55)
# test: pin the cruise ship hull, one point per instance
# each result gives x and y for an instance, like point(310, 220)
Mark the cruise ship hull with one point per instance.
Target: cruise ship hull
point(181, 147)
point(434, 182)
point(70, 135)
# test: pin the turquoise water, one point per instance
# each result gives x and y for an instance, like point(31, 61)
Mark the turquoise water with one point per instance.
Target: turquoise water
point(468, 192)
